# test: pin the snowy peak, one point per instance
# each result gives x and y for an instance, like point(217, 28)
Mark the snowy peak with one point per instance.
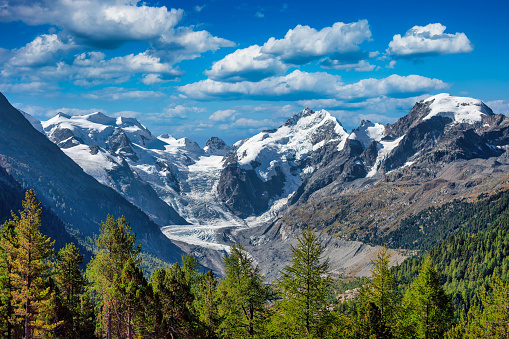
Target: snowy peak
point(368, 132)
point(216, 146)
point(300, 135)
point(459, 109)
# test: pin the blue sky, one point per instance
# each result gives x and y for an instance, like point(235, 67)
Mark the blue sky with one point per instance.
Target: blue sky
point(232, 68)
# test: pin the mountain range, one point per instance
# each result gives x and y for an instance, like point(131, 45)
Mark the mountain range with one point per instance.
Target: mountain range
point(353, 187)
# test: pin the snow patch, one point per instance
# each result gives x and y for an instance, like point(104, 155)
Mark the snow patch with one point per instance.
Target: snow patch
point(459, 109)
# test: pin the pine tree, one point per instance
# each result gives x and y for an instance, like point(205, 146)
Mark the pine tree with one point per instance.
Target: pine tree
point(173, 300)
point(427, 309)
point(206, 305)
point(241, 296)
point(379, 300)
point(29, 258)
point(7, 235)
point(304, 287)
point(115, 246)
point(71, 284)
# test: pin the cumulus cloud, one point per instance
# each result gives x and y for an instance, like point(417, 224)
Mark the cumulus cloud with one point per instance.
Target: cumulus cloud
point(43, 50)
point(391, 64)
point(97, 22)
point(300, 45)
point(120, 93)
point(304, 44)
point(222, 115)
point(246, 64)
point(181, 111)
point(302, 85)
point(428, 40)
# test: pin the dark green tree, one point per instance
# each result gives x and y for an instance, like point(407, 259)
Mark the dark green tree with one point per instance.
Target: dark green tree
point(7, 238)
point(71, 285)
point(241, 296)
point(304, 287)
point(205, 304)
point(173, 302)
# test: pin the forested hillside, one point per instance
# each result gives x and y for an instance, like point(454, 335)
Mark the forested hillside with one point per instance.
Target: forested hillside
point(48, 296)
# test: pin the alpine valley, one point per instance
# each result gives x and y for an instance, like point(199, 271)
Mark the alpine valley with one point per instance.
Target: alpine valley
point(356, 188)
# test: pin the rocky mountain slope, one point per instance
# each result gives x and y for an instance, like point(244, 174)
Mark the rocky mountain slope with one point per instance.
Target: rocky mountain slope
point(353, 187)
point(60, 184)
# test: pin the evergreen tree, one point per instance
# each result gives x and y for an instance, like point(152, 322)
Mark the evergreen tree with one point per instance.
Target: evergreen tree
point(489, 318)
point(379, 300)
point(241, 296)
point(71, 285)
point(206, 305)
point(304, 287)
point(115, 246)
point(28, 258)
point(427, 309)
point(7, 235)
point(173, 299)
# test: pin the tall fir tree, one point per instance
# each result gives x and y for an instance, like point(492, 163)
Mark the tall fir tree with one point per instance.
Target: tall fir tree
point(241, 296)
point(304, 286)
point(29, 259)
point(427, 310)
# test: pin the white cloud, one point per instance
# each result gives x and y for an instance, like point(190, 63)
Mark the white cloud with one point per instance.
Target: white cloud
point(107, 24)
point(246, 64)
point(259, 15)
point(428, 40)
point(391, 64)
point(499, 106)
point(373, 54)
point(199, 8)
point(42, 51)
point(304, 44)
point(120, 93)
point(26, 87)
point(98, 22)
point(222, 115)
point(180, 111)
point(91, 69)
point(153, 79)
point(361, 66)
point(300, 85)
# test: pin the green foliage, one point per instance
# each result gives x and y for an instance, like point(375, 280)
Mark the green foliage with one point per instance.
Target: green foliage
point(173, 302)
point(115, 249)
point(490, 317)
point(304, 287)
point(432, 225)
point(28, 254)
point(466, 262)
point(241, 296)
point(427, 310)
point(379, 300)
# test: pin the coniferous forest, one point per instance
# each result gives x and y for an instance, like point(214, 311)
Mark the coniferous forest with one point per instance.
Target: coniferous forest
point(457, 289)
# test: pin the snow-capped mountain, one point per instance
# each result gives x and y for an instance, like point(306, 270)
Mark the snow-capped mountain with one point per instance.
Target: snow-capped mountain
point(307, 171)
point(265, 170)
point(175, 174)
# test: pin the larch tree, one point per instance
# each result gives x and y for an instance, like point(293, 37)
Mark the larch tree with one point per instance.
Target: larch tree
point(379, 300)
point(304, 286)
point(29, 259)
point(428, 310)
point(241, 296)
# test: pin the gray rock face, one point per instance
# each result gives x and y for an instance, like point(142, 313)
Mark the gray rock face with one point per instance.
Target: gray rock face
point(216, 146)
